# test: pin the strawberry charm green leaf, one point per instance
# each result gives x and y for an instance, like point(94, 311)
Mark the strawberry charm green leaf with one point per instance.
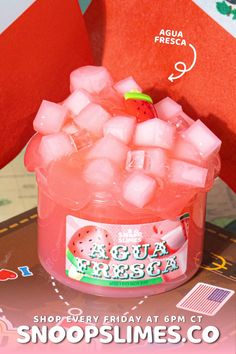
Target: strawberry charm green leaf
point(139, 105)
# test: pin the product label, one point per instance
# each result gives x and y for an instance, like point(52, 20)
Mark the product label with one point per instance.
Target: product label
point(134, 255)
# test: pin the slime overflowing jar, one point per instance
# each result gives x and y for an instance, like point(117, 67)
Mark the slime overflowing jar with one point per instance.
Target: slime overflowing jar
point(122, 187)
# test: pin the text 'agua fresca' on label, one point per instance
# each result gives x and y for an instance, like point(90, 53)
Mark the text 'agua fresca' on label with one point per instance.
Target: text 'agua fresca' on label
point(170, 37)
point(126, 255)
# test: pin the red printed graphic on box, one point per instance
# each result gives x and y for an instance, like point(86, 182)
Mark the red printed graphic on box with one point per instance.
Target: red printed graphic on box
point(6, 274)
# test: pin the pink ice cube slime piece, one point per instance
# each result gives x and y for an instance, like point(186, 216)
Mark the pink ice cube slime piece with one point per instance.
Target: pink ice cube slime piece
point(50, 118)
point(139, 189)
point(202, 139)
point(111, 148)
point(77, 101)
point(91, 78)
point(55, 146)
point(126, 85)
point(169, 110)
point(187, 174)
point(116, 152)
point(154, 132)
point(121, 127)
point(99, 171)
point(92, 118)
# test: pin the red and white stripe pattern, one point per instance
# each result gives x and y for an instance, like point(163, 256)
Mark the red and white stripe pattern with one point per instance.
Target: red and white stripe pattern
point(205, 299)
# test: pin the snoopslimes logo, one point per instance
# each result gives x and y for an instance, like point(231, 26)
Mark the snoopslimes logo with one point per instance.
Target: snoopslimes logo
point(108, 334)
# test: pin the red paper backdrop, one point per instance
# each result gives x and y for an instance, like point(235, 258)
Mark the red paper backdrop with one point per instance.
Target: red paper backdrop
point(38, 52)
point(40, 49)
point(122, 39)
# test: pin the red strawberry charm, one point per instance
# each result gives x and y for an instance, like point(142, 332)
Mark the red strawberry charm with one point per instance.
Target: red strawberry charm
point(140, 105)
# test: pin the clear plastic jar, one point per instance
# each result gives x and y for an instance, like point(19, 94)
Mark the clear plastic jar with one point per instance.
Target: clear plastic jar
point(171, 247)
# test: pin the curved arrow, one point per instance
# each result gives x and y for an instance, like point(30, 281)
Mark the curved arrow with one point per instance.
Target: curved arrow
point(184, 68)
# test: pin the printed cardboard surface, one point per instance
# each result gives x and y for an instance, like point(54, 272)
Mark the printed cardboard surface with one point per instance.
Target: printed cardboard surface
point(39, 294)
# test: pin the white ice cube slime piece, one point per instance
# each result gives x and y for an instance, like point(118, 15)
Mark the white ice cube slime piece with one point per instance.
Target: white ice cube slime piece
point(183, 150)
point(81, 139)
point(154, 132)
point(187, 119)
point(168, 108)
point(202, 138)
point(156, 162)
point(50, 118)
point(126, 85)
point(111, 148)
point(152, 161)
point(55, 146)
point(92, 118)
point(136, 160)
point(144, 133)
point(70, 128)
point(99, 172)
point(187, 174)
point(121, 127)
point(77, 101)
point(91, 78)
point(139, 189)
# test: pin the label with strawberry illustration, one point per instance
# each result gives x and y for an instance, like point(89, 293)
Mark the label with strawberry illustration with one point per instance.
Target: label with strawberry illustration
point(134, 255)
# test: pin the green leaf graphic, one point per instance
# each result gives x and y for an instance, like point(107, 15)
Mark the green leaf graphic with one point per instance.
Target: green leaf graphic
point(223, 8)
